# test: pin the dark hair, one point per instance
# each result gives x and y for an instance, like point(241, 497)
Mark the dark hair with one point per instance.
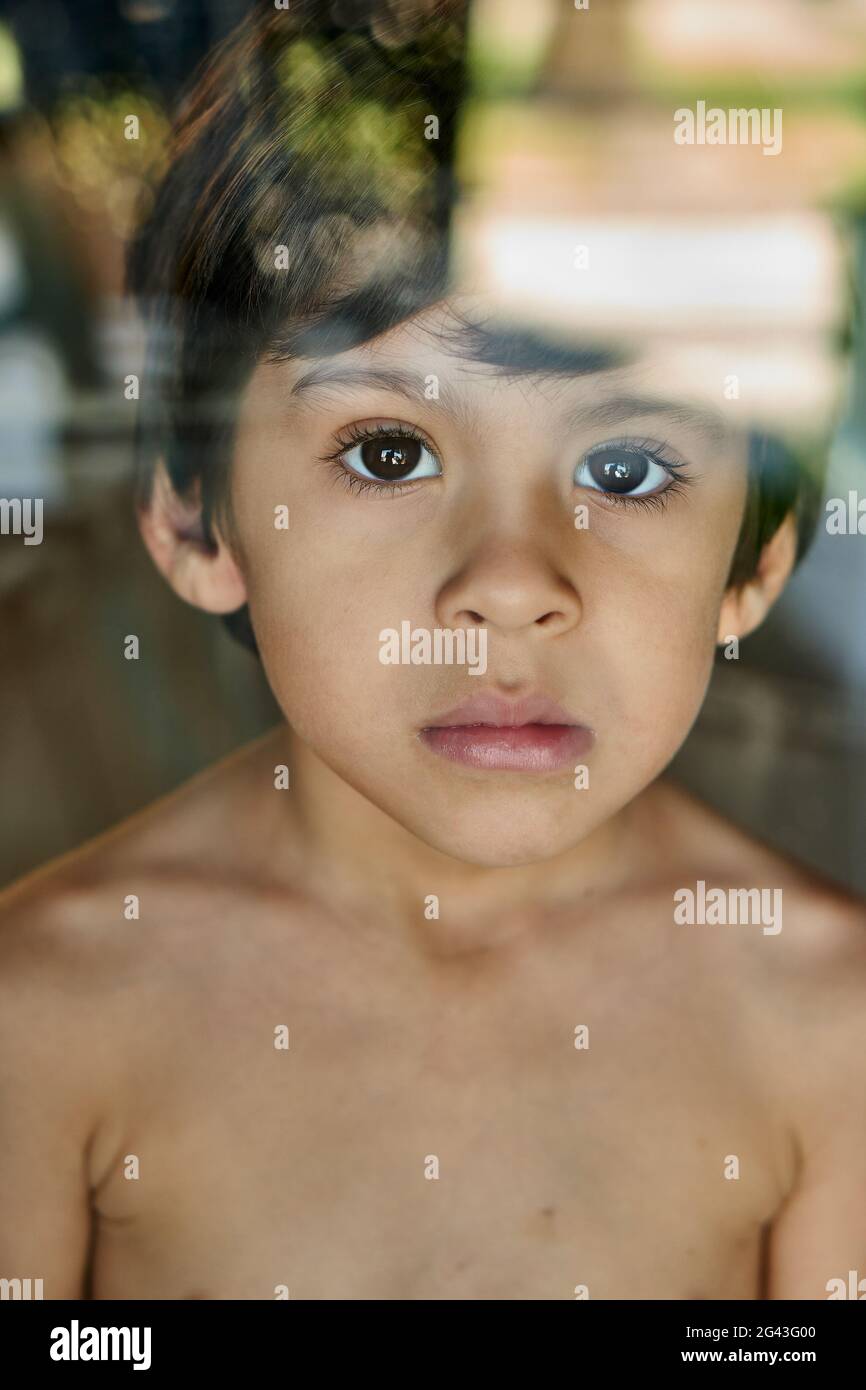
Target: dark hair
point(304, 209)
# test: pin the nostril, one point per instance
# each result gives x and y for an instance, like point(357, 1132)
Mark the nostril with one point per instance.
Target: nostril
point(474, 617)
point(547, 619)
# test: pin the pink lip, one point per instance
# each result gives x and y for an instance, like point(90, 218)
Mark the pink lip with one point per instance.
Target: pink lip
point(532, 734)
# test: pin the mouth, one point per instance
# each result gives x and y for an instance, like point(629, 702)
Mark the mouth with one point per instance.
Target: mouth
point(488, 731)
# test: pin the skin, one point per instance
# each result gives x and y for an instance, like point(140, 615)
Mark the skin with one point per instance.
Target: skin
point(452, 1036)
point(617, 622)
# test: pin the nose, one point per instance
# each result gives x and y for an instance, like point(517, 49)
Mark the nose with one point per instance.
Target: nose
point(513, 590)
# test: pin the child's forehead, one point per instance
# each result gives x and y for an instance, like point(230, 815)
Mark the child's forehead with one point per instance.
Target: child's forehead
point(469, 347)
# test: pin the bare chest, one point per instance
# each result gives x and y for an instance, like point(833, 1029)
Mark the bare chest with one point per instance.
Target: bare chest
point(471, 1158)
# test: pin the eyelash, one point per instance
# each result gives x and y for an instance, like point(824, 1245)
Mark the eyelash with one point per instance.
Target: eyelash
point(680, 480)
point(361, 434)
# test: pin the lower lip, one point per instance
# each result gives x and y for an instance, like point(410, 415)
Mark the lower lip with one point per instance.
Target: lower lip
point(518, 748)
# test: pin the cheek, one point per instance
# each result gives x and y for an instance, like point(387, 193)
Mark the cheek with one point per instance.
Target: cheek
point(319, 594)
point(317, 611)
point(669, 682)
point(655, 635)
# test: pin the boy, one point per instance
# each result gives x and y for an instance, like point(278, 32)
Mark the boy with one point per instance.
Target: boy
point(407, 1007)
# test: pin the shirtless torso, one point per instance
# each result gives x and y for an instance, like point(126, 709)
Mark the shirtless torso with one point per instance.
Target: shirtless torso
point(432, 1130)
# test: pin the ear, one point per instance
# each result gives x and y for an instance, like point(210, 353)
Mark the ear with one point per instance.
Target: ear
point(201, 574)
point(744, 608)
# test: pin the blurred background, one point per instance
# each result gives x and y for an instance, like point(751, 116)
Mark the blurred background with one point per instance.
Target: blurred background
point(560, 101)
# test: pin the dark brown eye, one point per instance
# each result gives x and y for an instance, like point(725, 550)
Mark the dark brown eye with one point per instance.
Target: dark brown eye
point(626, 470)
point(391, 458)
point(616, 469)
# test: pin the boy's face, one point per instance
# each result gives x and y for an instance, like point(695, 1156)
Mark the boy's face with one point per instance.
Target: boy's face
point(460, 514)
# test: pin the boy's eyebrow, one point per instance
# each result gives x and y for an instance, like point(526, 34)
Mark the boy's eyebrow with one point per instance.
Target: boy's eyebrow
point(409, 384)
point(618, 408)
point(612, 411)
point(511, 352)
point(412, 386)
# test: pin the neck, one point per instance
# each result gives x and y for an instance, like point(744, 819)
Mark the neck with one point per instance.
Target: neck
point(356, 860)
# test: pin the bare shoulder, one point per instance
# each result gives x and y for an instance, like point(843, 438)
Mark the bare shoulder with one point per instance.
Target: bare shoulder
point(198, 835)
point(100, 955)
point(821, 916)
point(103, 929)
point(799, 959)
point(796, 1020)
